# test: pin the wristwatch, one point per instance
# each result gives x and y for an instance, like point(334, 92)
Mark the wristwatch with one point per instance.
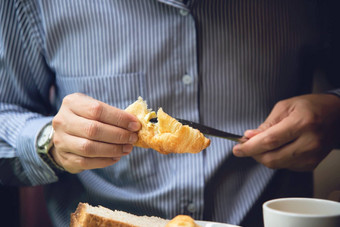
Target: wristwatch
point(44, 145)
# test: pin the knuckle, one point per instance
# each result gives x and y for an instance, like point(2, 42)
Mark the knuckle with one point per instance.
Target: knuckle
point(115, 150)
point(315, 144)
point(92, 129)
point(270, 165)
point(86, 148)
point(68, 99)
point(57, 121)
point(68, 162)
point(282, 105)
point(81, 162)
point(95, 110)
point(269, 162)
point(119, 118)
point(264, 125)
point(270, 142)
point(56, 140)
point(279, 104)
point(123, 137)
point(310, 121)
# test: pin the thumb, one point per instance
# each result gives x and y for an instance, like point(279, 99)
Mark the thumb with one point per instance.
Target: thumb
point(251, 132)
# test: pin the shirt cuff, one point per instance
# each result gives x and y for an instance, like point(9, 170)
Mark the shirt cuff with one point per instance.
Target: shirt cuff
point(334, 92)
point(38, 172)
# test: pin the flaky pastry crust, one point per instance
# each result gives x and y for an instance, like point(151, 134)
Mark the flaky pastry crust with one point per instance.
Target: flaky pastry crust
point(168, 135)
point(182, 221)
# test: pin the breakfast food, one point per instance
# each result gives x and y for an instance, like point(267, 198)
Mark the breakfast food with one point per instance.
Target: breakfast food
point(182, 221)
point(90, 216)
point(168, 135)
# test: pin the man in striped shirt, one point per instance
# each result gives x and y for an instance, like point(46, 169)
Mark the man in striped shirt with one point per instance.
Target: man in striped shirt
point(221, 63)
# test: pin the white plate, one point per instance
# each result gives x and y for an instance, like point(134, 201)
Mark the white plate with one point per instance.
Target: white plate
point(213, 224)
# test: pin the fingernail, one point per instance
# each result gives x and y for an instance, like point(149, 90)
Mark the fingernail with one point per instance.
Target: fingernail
point(133, 138)
point(237, 146)
point(248, 133)
point(251, 132)
point(134, 126)
point(127, 148)
point(237, 150)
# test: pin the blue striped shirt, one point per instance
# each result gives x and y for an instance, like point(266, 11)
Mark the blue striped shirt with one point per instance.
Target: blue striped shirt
point(222, 63)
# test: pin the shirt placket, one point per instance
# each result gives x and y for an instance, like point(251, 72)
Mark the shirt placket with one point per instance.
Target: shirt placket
point(190, 176)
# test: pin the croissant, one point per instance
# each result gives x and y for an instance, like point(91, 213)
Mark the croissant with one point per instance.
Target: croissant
point(168, 135)
point(182, 221)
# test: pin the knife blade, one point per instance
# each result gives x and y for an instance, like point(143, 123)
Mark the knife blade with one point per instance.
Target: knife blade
point(209, 130)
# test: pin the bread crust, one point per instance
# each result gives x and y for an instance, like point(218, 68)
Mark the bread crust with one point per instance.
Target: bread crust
point(88, 216)
point(168, 135)
point(80, 218)
point(92, 220)
point(77, 215)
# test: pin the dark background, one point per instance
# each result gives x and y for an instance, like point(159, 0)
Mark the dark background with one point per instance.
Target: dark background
point(9, 206)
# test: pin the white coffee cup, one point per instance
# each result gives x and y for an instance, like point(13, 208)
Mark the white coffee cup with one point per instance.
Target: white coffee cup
point(301, 212)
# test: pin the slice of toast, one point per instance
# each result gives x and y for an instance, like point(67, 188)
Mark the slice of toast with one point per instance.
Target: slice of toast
point(99, 216)
point(90, 216)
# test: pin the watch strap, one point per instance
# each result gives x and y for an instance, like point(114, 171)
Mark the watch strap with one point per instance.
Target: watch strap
point(48, 159)
point(45, 148)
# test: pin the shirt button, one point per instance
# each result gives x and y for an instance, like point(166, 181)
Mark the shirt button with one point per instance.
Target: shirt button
point(191, 208)
point(187, 79)
point(183, 12)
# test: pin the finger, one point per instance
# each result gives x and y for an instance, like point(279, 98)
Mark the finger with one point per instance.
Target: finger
point(251, 133)
point(90, 108)
point(274, 137)
point(98, 131)
point(90, 148)
point(74, 163)
point(278, 113)
point(94, 130)
point(276, 159)
point(299, 155)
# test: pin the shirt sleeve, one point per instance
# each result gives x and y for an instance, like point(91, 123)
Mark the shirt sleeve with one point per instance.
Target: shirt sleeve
point(330, 42)
point(335, 92)
point(25, 83)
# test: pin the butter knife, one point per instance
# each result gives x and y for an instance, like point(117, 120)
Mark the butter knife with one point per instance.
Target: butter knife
point(209, 131)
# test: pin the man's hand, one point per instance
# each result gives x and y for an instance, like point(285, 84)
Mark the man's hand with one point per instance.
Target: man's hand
point(297, 135)
point(90, 134)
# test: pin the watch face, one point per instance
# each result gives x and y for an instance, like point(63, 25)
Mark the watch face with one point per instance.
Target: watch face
point(44, 136)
